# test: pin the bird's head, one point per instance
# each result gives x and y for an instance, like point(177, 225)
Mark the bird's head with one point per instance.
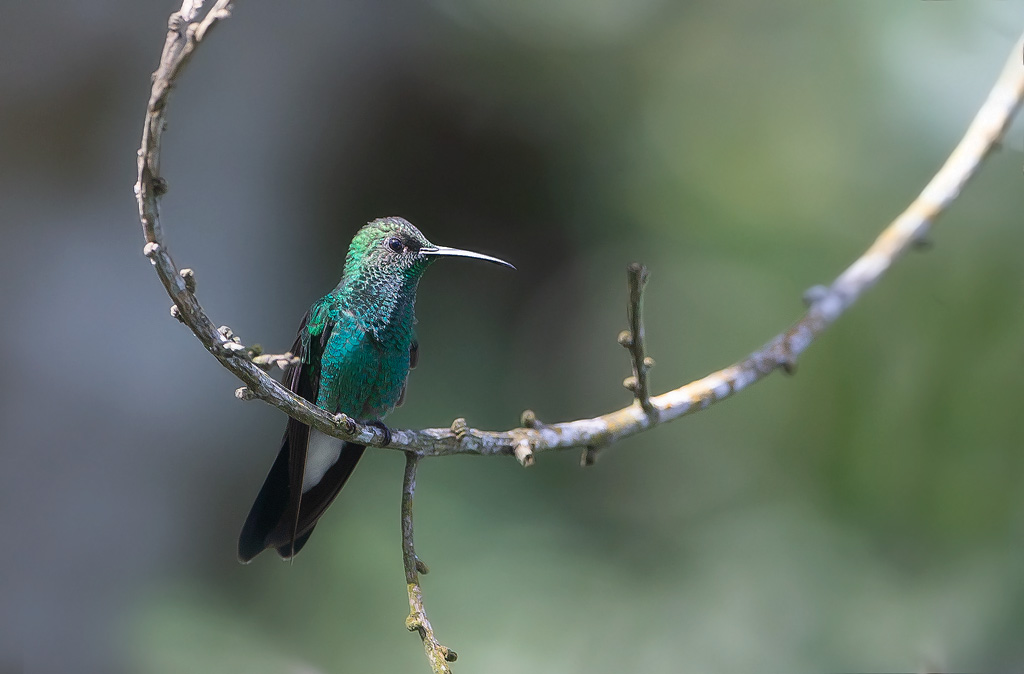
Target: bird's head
point(392, 247)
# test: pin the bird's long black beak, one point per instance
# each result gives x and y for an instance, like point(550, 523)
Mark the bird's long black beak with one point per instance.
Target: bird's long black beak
point(458, 252)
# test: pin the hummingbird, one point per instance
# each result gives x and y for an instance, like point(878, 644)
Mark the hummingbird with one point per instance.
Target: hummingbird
point(355, 348)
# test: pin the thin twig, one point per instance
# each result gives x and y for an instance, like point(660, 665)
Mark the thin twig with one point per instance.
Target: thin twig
point(438, 655)
point(633, 340)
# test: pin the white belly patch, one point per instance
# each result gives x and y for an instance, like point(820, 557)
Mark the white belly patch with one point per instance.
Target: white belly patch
point(322, 452)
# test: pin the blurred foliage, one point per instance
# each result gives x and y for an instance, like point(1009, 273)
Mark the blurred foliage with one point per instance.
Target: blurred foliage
point(864, 515)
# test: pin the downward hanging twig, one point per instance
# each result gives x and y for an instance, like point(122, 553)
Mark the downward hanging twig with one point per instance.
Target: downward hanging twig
point(438, 655)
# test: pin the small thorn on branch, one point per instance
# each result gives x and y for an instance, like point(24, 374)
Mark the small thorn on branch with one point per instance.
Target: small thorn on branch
point(633, 340)
point(589, 456)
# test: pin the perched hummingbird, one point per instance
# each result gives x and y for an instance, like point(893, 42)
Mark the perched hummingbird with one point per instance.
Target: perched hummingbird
point(355, 348)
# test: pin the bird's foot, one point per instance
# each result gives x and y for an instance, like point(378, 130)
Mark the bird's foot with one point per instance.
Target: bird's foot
point(384, 429)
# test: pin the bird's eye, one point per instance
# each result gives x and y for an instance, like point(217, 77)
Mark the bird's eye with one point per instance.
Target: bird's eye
point(395, 244)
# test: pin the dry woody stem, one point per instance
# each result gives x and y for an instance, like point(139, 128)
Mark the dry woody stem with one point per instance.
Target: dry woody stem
point(633, 339)
point(438, 655)
point(187, 29)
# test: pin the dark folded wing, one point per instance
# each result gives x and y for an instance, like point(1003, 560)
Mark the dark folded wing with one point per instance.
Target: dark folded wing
point(414, 357)
point(279, 499)
point(303, 380)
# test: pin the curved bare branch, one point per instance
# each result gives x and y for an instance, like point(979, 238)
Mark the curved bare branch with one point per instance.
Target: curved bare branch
point(827, 303)
point(186, 29)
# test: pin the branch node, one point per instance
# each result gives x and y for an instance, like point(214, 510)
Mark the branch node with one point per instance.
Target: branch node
point(159, 184)
point(189, 277)
point(449, 654)
point(266, 361)
point(176, 313)
point(524, 453)
point(629, 383)
point(460, 428)
point(228, 334)
point(625, 339)
point(232, 344)
point(528, 419)
point(245, 393)
point(589, 456)
point(233, 348)
point(421, 567)
point(176, 22)
point(815, 294)
point(345, 423)
point(150, 250)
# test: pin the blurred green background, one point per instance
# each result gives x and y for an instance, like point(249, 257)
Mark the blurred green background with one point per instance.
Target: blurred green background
point(864, 515)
